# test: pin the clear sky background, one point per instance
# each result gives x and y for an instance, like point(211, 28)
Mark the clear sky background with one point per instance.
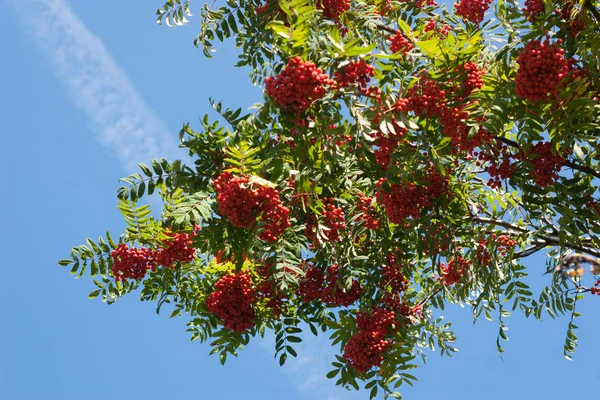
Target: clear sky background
point(90, 88)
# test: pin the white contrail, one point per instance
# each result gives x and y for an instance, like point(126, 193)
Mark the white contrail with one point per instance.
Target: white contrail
point(95, 83)
point(130, 128)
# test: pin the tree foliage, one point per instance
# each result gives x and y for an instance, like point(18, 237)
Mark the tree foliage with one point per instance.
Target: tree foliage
point(405, 157)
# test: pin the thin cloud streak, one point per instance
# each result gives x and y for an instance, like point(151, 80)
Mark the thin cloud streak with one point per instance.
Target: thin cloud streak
point(128, 127)
point(95, 83)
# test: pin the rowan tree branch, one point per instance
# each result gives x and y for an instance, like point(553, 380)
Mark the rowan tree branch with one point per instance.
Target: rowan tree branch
point(542, 240)
point(592, 8)
point(570, 164)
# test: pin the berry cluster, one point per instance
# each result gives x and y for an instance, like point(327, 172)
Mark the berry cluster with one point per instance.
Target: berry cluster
point(500, 165)
point(533, 8)
point(132, 263)
point(232, 301)
point(236, 201)
point(178, 250)
point(364, 350)
point(356, 72)
point(314, 285)
point(546, 165)
point(333, 295)
point(378, 320)
point(311, 286)
point(298, 85)
point(442, 30)
point(333, 8)
point(400, 43)
point(426, 96)
point(332, 218)
point(575, 25)
point(472, 10)
point(368, 216)
point(402, 311)
point(542, 67)
point(392, 275)
point(474, 79)
point(386, 144)
point(401, 201)
point(454, 271)
point(241, 203)
point(436, 240)
point(267, 290)
point(274, 214)
point(406, 200)
point(504, 244)
point(596, 288)
point(452, 121)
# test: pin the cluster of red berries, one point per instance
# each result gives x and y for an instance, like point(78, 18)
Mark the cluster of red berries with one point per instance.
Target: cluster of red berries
point(503, 244)
point(394, 302)
point(472, 10)
point(401, 201)
point(500, 165)
point(400, 43)
point(426, 96)
point(232, 301)
point(406, 200)
point(533, 8)
point(266, 289)
point(378, 320)
point(454, 126)
point(596, 288)
point(474, 79)
point(369, 217)
point(442, 30)
point(365, 349)
point(392, 275)
point(436, 240)
point(315, 285)
point(178, 250)
point(355, 72)
point(386, 144)
point(132, 263)
point(575, 25)
point(333, 8)
point(241, 203)
point(298, 85)
point(332, 217)
point(454, 271)
point(421, 3)
point(546, 164)
point(236, 200)
point(311, 286)
point(542, 67)
point(274, 214)
point(333, 295)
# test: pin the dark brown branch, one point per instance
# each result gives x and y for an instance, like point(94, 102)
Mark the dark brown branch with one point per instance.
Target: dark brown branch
point(592, 8)
point(543, 240)
point(570, 164)
point(382, 27)
point(499, 222)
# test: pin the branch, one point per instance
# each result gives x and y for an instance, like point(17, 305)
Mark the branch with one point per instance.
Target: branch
point(543, 241)
point(382, 27)
point(588, 4)
point(570, 164)
point(499, 222)
point(429, 296)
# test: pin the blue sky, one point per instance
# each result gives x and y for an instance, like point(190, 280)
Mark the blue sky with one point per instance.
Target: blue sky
point(90, 88)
